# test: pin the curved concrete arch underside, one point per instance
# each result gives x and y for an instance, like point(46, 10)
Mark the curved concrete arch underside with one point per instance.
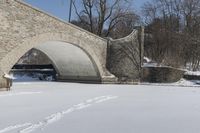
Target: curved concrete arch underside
point(71, 62)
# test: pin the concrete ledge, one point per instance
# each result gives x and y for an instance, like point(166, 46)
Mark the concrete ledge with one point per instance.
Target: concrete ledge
point(109, 80)
point(3, 89)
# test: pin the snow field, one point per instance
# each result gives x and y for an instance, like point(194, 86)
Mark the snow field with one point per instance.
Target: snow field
point(29, 127)
point(48, 107)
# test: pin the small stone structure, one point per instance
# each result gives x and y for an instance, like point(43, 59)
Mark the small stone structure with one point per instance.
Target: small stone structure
point(162, 74)
point(8, 79)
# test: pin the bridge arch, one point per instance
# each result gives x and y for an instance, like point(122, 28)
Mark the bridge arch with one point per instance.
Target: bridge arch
point(71, 62)
point(37, 41)
point(23, 27)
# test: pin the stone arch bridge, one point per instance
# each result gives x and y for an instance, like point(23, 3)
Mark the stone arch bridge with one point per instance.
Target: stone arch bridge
point(74, 52)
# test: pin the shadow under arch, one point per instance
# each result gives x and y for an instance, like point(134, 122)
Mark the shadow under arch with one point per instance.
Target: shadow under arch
point(86, 78)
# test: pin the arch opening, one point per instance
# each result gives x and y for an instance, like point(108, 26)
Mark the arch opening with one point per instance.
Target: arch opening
point(34, 65)
point(70, 62)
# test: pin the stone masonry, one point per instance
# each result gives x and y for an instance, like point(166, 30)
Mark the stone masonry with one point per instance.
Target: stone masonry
point(22, 27)
point(125, 56)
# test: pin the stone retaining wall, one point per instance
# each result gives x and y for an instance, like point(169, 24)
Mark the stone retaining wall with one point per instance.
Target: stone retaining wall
point(125, 56)
point(162, 74)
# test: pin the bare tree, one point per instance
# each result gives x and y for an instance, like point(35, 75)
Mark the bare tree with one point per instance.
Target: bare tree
point(124, 25)
point(173, 27)
point(70, 10)
point(101, 16)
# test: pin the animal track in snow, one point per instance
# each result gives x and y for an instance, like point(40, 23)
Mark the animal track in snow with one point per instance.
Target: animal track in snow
point(30, 127)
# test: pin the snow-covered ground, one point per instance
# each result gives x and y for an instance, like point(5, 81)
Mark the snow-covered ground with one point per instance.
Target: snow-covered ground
point(49, 107)
point(195, 73)
point(181, 83)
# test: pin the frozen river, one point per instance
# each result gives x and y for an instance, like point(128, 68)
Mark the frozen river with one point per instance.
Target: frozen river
point(48, 107)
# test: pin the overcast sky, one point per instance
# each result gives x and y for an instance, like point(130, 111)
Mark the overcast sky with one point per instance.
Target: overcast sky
point(60, 8)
